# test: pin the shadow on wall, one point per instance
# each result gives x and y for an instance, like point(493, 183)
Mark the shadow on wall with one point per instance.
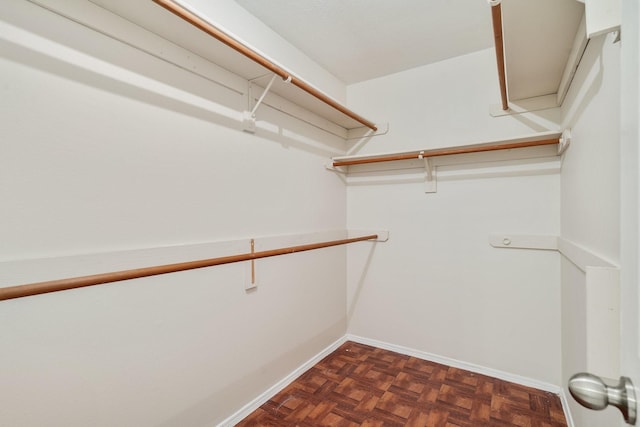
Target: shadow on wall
point(102, 81)
point(588, 89)
point(363, 277)
point(575, 104)
point(529, 120)
point(126, 71)
point(505, 169)
point(537, 161)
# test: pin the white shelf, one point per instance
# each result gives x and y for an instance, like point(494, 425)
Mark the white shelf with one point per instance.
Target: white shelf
point(456, 150)
point(155, 19)
point(364, 168)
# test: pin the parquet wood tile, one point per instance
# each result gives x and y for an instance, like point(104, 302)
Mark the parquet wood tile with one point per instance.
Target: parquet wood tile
point(363, 386)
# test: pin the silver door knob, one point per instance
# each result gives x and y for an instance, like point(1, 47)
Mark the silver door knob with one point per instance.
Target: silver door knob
point(592, 392)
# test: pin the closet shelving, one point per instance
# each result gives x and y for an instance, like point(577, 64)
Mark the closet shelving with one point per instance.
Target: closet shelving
point(540, 139)
point(201, 23)
point(541, 78)
point(542, 144)
point(188, 28)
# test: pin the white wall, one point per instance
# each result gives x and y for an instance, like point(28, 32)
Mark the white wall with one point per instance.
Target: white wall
point(246, 27)
point(105, 148)
point(590, 200)
point(437, 286)
point(443, 104)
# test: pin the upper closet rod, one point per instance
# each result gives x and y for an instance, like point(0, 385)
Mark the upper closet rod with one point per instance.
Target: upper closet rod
point(445, 152)
point(496, 16)
point(210, 29)
point(99, 279)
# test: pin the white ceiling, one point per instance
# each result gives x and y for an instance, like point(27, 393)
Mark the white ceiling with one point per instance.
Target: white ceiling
point(358, 40)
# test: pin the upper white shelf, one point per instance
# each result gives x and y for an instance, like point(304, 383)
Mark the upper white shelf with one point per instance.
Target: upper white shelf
point(538, 37)
point(539, 47)
point(184, 27)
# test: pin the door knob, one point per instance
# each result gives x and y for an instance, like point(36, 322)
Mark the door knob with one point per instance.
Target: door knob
point(592, 392)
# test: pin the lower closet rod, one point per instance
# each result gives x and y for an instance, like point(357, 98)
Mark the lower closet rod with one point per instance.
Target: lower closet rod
point(99, 279)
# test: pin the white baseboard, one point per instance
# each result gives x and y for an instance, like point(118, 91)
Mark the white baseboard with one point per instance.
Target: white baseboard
point(506, 376)
point(566, 408)
point(247, 409)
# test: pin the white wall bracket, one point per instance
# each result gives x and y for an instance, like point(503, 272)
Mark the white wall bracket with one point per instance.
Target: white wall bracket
point(383, 235)
point(430, 183)
point(602, 16)
point(524, 241)
point(564, 141)
point(330, 167)
point(618, 34)
point(251, 281)
point(364, 132)
point(249, 117)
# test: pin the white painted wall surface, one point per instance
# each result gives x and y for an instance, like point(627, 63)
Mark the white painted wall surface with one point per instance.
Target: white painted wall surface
point(442, 104)
point(246, 27)
point(437, 286)
point(590, 199)
point(107, 149)
point(590, 170)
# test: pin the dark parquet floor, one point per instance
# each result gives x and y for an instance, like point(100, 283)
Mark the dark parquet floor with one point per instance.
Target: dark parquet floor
point(359, 385)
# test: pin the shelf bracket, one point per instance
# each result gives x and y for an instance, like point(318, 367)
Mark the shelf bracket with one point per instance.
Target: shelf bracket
point(249, 117)
point(364, 133)
point(330, 167)
point(430, 185)
point(251, 282)
point(564, 141)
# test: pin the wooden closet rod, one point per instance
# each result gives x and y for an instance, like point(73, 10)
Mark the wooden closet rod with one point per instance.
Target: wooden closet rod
point(496, 17)
point(446, 152)
point(210, 29)
point(99, 279)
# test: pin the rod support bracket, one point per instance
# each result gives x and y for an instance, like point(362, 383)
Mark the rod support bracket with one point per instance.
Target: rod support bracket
point(249, 117)
point(248, 122)
point(330, 167)
point(564, 141)
point(251, 281)
point(430, 184)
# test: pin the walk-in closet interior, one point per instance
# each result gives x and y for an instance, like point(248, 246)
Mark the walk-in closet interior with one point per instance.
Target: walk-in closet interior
point(201, 201)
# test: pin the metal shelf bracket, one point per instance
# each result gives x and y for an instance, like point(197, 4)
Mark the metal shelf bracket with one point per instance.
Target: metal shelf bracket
point(249, 117)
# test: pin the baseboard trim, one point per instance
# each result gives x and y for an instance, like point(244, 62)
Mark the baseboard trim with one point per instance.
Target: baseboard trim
point(277, 387)
point(566, 408)
point(506, 376)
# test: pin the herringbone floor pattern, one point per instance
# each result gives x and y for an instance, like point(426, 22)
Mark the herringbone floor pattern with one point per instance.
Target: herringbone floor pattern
point(359, 385)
